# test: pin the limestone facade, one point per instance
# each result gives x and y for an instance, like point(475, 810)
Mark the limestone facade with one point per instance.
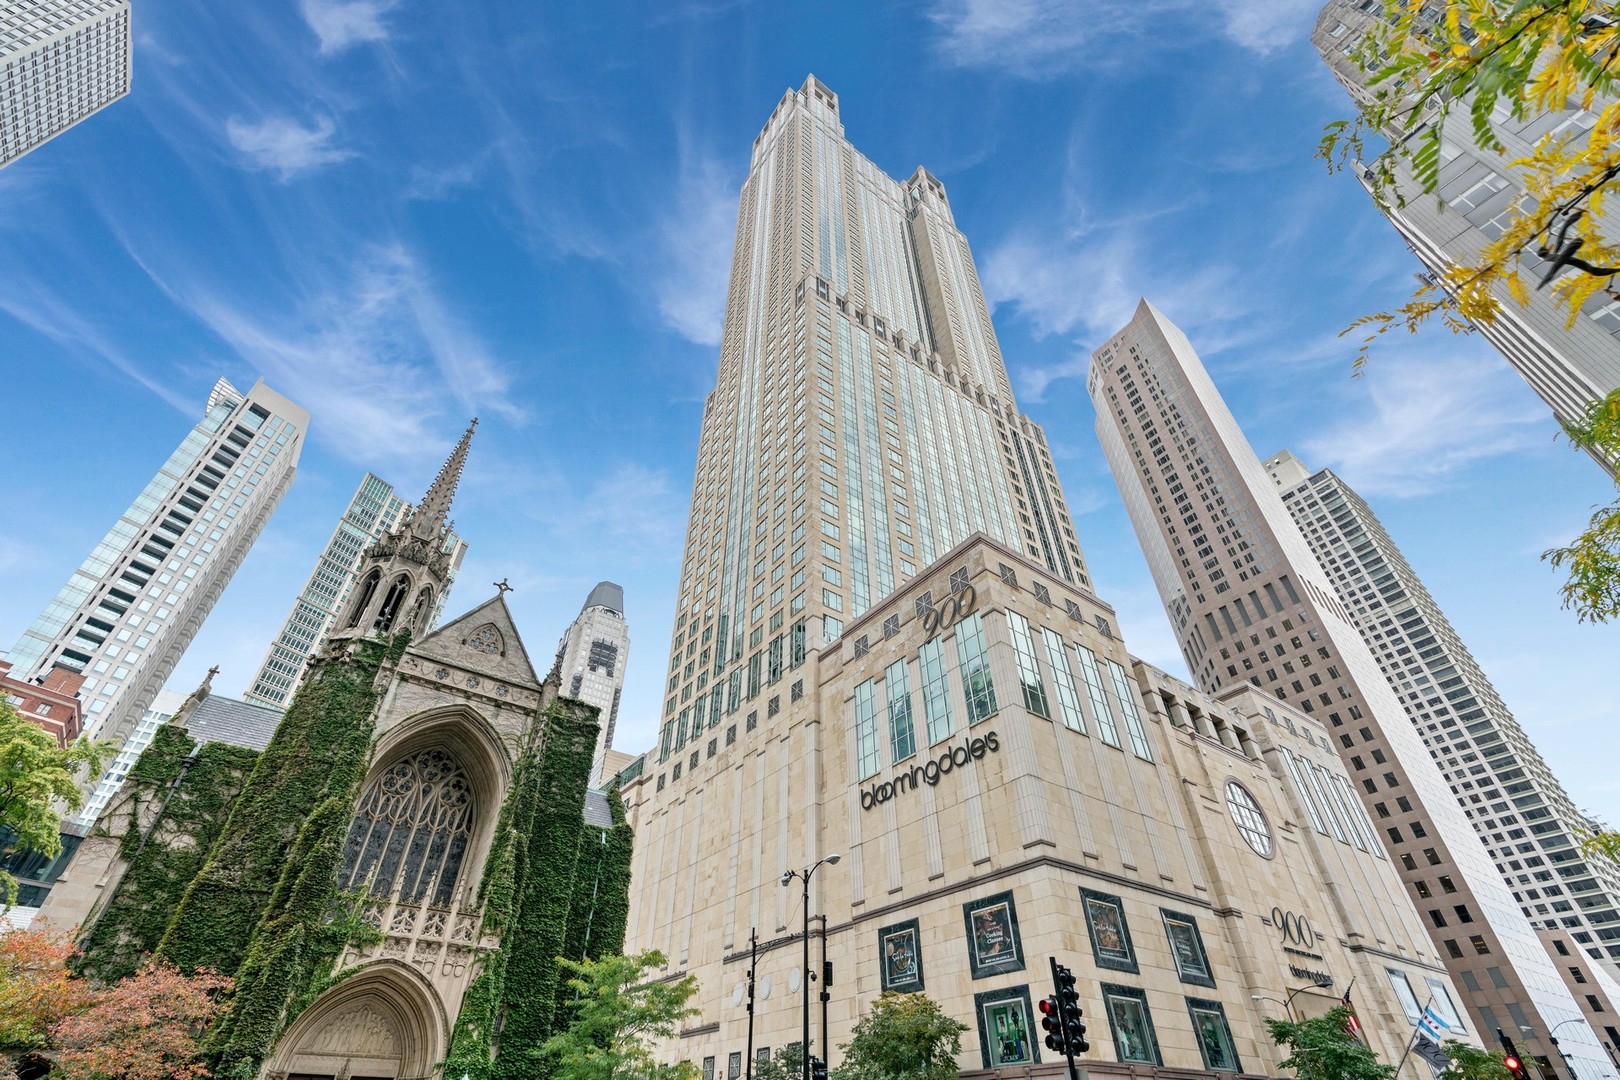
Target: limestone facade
point(1005, 783)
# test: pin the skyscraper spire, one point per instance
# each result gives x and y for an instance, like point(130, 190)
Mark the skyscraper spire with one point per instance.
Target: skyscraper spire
point(428, 520)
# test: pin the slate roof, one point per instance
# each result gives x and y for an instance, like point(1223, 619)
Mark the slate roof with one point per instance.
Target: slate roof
point(236, 723)
point(597, 810)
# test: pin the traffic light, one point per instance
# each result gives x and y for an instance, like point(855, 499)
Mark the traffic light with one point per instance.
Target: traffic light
point(1052, 1024)
point(1510, 1057)
point(818, 1069)
point(1069, 1013)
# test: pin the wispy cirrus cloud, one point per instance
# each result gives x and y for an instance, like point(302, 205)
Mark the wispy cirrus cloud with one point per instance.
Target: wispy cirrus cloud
point(694, 243)
point(1043, 38)
point(1424, 419)
point(342, 23)
point(282, 145)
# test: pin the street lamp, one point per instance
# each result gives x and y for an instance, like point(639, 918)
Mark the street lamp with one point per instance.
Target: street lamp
point(1286, 1004)
point(787, 879)
point(1569, 1062)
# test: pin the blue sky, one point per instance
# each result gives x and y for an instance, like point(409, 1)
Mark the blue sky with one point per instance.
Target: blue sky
point(401, 214)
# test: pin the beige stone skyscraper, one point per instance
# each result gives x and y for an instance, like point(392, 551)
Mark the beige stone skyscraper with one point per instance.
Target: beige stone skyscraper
point(861, 426)
point(1249, 603)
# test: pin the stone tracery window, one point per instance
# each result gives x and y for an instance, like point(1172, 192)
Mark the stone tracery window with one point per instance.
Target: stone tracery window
point(485, 639)
point(411, 830)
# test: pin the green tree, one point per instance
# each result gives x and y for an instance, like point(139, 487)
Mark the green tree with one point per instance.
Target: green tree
point(1434, 66)
point(786, 1064)
point(904, 1035)
point(38, 782)
point(1472, 1063)
point(619, 1008)
point(1322, 1048)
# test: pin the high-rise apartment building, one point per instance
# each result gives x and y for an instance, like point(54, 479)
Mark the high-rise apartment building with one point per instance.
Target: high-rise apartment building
point(1248, 602)
point(129, 611)
point(60, 61)
point(862, 423)
point(591, 659)
point(371, 514)
point(888, 656)
point(1527, 822)
point(1569, 366)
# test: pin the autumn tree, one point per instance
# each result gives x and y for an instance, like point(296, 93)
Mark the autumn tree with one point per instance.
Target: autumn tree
point(38, 780)
point(619, 1008)
point(146, 1027)
point(37, 991)
point(1433, 67)
point(1322, 1048)
point(903, 1036)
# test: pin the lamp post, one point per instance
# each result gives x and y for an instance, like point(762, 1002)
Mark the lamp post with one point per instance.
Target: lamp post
point(787, 878)
point(1569, 1062)
point(1286, 1004)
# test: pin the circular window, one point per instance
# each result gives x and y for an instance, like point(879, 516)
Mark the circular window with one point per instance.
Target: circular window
point(1248, 818)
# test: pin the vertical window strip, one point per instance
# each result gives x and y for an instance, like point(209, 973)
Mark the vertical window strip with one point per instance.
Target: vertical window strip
point(1127, 707)
point(866, 739)
point(936, 692)
point(902, 736)
point(1333, 810)
point(977, 686)
point(1068, 698)
point(1306, 795)
point(1367, 842)
point(1099, 701)
point(1360, 813)
point(1029, 670)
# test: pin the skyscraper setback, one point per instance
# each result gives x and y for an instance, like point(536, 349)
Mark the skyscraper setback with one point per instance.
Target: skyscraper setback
point(371, 514)
point(1248, 602)
point(836, 459)
point(1519, 809)
point(128, 613)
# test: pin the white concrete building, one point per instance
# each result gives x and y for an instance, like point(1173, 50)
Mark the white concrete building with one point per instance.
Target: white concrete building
point(1529, 825)
point(60, 61)
point(1568, 366)
point(1248, 602)
point(371, 514)
point(591, 659)
point(127, 614)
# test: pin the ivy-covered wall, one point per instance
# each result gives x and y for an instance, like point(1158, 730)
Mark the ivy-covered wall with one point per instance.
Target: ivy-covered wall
point(163, 858)
point(319, 752)
point(554, 886)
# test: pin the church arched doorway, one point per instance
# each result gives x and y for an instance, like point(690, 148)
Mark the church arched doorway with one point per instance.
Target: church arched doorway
point(383, 1023)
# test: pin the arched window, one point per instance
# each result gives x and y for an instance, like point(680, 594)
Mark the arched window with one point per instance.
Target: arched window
point(391, 603)
point(423, 610)
point(368, 589)
point(411, 830)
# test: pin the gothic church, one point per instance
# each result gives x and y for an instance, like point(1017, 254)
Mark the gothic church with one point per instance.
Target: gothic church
point(390, 881)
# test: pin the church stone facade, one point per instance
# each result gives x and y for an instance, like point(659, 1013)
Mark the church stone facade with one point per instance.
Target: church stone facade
point(400, 867)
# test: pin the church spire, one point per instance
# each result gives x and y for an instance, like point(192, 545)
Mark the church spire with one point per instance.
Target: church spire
point(428, 520)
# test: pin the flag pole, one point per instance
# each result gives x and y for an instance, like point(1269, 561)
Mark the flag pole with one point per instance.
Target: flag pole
point(1412, 1039)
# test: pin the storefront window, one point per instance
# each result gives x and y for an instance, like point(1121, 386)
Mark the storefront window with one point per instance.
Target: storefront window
point(1214, 1036)
point(1132, 1026)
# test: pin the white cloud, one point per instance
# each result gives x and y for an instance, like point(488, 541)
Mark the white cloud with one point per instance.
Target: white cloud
point(1040, 38)
point(1422, 418)
point(341, 23)
point(694, 242)
point(284, 146)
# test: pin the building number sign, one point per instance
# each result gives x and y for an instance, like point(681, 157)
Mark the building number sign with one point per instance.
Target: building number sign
point(950, 611)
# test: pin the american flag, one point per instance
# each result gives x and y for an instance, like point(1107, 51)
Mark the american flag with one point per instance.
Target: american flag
point(1351, 1024)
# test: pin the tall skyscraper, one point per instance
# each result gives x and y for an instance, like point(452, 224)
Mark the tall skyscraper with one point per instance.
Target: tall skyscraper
point(60, 61)
point(128, 613)
point(370, 515)
point(1522, 814)
point(1249, 603)
point(1568, 366)
point(591, 660)
point(839, 455)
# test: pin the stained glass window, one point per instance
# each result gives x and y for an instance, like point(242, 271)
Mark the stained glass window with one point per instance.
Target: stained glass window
point(411, 830)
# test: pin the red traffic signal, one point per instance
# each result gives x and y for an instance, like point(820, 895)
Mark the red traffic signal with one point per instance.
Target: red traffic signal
point(1052, 1023)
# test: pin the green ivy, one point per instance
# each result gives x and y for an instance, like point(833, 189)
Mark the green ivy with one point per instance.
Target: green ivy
point(162, 858)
